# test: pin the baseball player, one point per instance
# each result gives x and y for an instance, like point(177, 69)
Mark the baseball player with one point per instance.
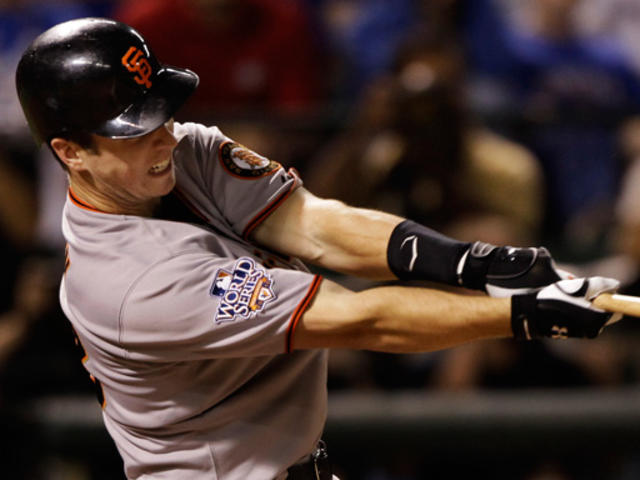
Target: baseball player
point(204, 333)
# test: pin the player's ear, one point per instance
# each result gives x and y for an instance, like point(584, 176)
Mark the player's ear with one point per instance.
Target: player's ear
point(68, 153)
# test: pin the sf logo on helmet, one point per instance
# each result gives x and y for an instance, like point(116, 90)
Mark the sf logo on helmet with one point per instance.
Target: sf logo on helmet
point(134, 61)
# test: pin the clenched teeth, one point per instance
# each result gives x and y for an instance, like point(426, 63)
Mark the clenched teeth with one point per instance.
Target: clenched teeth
point(160, 167)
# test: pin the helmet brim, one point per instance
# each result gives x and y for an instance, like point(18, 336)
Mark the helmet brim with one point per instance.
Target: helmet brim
point(172, 87)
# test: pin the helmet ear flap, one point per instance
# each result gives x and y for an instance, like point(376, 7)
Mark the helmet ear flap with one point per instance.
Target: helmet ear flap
point(97, 75)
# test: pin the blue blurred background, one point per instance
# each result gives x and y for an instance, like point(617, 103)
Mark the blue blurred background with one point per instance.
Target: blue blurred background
point(509, 121)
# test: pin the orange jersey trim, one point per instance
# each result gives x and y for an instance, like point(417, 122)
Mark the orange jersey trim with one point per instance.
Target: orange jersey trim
point(79, 203)
point(300, 309)
point(268, 210)
point(97, 383)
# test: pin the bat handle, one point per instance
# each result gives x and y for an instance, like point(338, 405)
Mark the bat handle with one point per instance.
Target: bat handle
point(614, 302)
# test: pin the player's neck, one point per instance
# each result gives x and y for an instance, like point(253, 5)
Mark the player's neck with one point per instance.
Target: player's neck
point(111, 202)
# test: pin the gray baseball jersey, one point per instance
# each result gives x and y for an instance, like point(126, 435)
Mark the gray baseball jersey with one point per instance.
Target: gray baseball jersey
point(187, 326)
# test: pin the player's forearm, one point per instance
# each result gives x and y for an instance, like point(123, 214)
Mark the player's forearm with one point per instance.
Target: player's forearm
point(404, 319)
point(415, 320)
point(330, 234)
point(354, 241)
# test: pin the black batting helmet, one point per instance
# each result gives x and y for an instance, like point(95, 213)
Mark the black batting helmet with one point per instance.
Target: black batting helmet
point(96, 75)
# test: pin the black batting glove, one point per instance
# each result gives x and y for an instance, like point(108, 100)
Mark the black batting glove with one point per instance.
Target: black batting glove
point(507, 271)
point(562, 310)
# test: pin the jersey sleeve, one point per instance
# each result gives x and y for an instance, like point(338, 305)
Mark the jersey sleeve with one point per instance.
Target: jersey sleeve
point(195, 306)
point(244, 186)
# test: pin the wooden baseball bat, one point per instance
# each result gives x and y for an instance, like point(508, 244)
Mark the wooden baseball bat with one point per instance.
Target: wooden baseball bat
point(614, 302)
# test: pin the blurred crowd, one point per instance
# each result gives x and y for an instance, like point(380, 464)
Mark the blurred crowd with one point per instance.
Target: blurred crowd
point(510, 121)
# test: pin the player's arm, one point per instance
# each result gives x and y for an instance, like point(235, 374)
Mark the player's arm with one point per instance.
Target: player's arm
point(408, 319)
point(330, 234)
point(399, 319)
point(378, 245)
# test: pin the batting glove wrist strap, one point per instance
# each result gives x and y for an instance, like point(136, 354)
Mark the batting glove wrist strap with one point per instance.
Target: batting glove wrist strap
point(523, 310)
point(474, 265)
point(562, 310)
point(506, 271)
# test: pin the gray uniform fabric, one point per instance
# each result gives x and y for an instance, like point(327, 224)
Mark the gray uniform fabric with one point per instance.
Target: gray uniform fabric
point(187, 326)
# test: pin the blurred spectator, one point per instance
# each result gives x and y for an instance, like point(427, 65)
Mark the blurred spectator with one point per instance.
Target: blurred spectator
point(617, 18)
point(42, 359)
point(17, 221)
point(249, 54)
point(571, 94)
point(33, 296)
point(364, 37)
point(412, 150)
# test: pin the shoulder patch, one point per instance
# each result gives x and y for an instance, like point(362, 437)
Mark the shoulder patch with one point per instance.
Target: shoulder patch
point(243, 291)
point(245, 163)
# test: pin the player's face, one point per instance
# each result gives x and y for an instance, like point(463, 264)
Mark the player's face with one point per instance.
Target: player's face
point(133, 171)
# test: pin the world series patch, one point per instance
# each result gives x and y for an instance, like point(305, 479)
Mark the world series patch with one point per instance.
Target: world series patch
point(243, 291)
point(241, 161)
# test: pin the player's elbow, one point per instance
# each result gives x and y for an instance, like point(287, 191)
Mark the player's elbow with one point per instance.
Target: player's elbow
point(322, 232)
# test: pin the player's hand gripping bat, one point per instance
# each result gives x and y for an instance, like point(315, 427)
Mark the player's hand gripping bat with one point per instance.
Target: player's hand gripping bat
point(566, 309)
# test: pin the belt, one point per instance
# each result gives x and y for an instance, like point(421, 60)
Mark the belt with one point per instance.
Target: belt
point(315, 467)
